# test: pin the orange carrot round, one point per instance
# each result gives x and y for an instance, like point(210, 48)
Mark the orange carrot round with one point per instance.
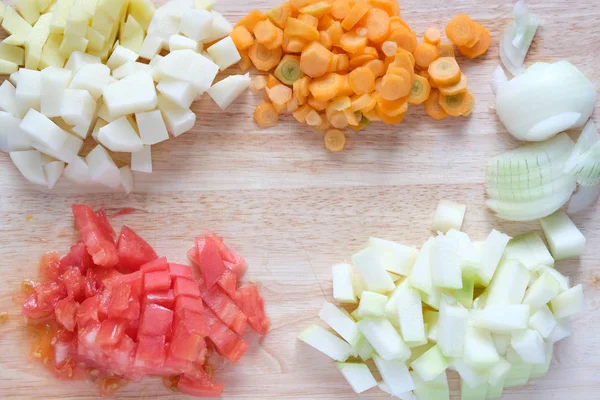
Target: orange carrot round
point(395, 86)
point(264, 59)
point(358, 10)
point(352, 43)
point(425, 54)
point(362, 80)
point(458, 87)
point(265, 32)
point(377, 23)
point(420, 91)
point(461, 30)
point(376, 66)
point(341, 9)
point(266, 115)
point(316, 60)
point(444, 71)
point(334, 140)
point(404, 38)
point(433, 108)
point(480, 47)
point(454, 105)
point(432, 36)
point(241, 37)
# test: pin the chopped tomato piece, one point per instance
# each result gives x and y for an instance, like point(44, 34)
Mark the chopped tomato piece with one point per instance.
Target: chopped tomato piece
point(119, 299)
point(48, 294)
point(164, 298)
point(224, 307)
point(132, 312)
point(66, 313)
point(228, 344)
point(150, 352)
point(189, 303)
point(32, 309)
point(253, 306)
point(209, 260)
point(88, 311)
point(228, 282)
point(133, 250)
point(123, 356)
point(182, 271)
point(160, 264)
point(93, 233)
point(111, 332)
point(191, 321)
point(156, 320)
point(197, 387)
point(76, 257)
point(74, 283)
point(132, 326)
point(157, 281)
point(186, 345)
point(186, 287)
point(105, 226)
point(50, 266)
point(135, 280)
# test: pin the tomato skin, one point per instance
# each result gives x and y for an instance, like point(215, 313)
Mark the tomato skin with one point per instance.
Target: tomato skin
point(156, 320)
point(94, 235)
point(209, 260)
point(66, 313)
point(157, 281)
point(133, 250)
point(186, 287)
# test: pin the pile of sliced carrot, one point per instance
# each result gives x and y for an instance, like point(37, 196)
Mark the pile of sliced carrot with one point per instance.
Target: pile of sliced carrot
point(471, 39)
point(336, 64)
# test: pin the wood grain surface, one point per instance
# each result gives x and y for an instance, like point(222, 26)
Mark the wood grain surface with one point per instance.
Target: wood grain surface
point(292, 210)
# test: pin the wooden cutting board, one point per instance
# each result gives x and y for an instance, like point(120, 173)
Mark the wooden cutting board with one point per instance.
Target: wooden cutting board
point(292, 210)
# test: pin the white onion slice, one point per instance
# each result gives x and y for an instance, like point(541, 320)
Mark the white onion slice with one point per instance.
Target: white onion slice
point(557, 123)
point(584, 162)
point(498, 79)
point(517, 38)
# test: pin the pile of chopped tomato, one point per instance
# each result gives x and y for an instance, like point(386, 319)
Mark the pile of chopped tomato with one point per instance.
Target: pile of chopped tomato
point(113, 311)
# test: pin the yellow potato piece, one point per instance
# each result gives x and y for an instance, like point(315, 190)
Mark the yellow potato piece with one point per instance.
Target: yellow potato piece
point(36, 41)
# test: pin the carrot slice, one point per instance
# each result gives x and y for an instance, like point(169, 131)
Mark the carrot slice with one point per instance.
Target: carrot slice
point(404, 59)
point(362, 80)
point(298, 4)
point(315, 60)
point(444, 71)
point(313, 119)
point(358, 102)
point(309, 20)
point(327, 87)
point(318, 9)
point(272, 81)
point(296, 29)
point(338, 120)
point(454, 105)
point(245, 63)
point(391, 7)
point(341, 9)
point(334, 140)
point(425, 54)
point(292, 106)
point(351, 117)
point(325, 22)
point(480, 47)
point(358, 10)
point(288, 71)
point(433, 108)
point(242, 38)
point(264, 59)
point(446, 50)
point(391, 120)
point(372, 114)
point(470, 101)
point(341, 63)
point(352, 43)
point(377, 22)
point(250, 20)
point(432, 36)
point(346, 90)
point(292, 45)
point(335, 32)
point(458, 87)
point(278, 42)
point(280, 14)
point(266, 115)
point(325, 125)
point(258, 83)
point(325, 39)
point(420, 90)
point(316, 104)
point(461, 30)
point(405, 38)
point(392, 108)
point(301, 113)
point(397, 22)
point(265, 32)
point(340, 103)
point(395, 86)
point(280, 108)
point(376, 66)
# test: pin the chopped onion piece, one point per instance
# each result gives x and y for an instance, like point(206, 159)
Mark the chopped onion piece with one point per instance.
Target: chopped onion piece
point(583, 198)
point(498, 79)
point(564, 239)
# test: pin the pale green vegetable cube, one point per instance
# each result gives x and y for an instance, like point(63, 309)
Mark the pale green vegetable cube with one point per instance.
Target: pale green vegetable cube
point(418, 351)
point(520, 371)
point(326, 342)
point(540, 370)
point(530, 250)
point(340, 322)
point(358, 376)
point(491, 253)
point(569, 303)
point(495, 391)
point(544, 289)
point(364, 349)
point(543, 321)
point(371, 305)
point(431, 364)
point(384, 338)
point(396, 257)
point(420, 276)
point(343, 288)
point(448, 215)
point(395, 374)
point(501, 318)
point(473, 377)
point(465, 295)
point(509, 283)
point(564, 239)
point(445, 267)
point(373, 271)
point(437, 389)
point(452, 328)
point(469, 393)
point(479, 349)
point(561, 330)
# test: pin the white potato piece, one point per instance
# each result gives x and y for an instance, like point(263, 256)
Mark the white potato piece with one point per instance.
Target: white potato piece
point(120, 56)
point(126, 179)
point(8, 101)
point(130, 68)
point(28, 9)
point(53, 83)
point(53, 171)
point(178, 120)
point(43, 130)
point(141, 161)
point(18, 28)
point(132, 34)
point(229, 89)
point(30, 165)
point(189, 66)
point(196, 24)
point(142, 11)
point(224, 53)
point(102, 168)
point(448, 215)
point(180, 42)
point(12, 137)
point(77, 171)
point(120, 136)
point(135, 93)
point(93, 78)
point(67, 153)
point(77, 108)
point(219, 29)
point(178, 92)
point(8, 67)
point(14, 54)
point(78, 59)
point(152, 46)
point(29, 88)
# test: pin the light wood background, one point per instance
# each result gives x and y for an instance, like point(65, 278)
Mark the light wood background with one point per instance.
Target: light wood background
point(292, 210)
